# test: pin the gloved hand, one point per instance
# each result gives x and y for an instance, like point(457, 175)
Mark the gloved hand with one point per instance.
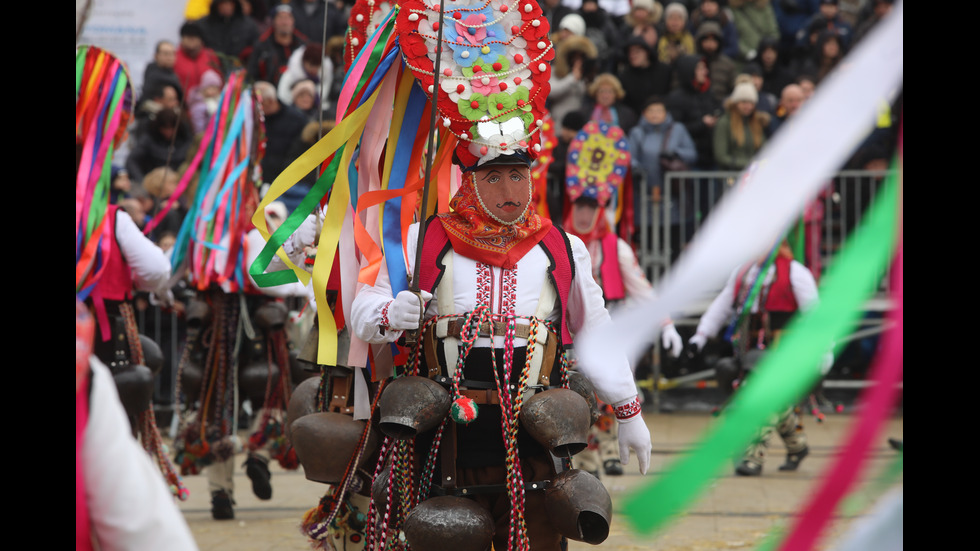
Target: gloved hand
point(698, 341)
point(826, 362)
point(633, 433)
point(405, 311)
point(671, 340)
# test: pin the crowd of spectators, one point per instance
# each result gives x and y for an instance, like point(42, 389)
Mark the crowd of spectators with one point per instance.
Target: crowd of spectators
point(705, 81)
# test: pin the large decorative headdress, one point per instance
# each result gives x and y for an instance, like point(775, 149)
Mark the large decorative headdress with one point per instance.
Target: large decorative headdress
point(599, 168)
point(494, 72)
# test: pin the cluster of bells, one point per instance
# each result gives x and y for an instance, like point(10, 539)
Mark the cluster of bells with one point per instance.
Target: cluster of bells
point(559, 418)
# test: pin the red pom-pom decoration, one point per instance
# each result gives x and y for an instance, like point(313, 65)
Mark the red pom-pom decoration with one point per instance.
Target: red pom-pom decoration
point(464, 410)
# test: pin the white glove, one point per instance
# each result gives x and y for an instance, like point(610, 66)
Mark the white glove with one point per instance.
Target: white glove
point(671, 340)
point(304, 236)
point(826, 363)
point(698, 341)
point(405, 312)
point(633, 433)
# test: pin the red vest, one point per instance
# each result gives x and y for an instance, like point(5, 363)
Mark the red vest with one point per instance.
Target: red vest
point(779, 296)
point(555, 244)
point(116, 282)
point(612, 276)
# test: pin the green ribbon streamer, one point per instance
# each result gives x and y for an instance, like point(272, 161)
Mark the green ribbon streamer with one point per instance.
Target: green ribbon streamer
point(786, 372)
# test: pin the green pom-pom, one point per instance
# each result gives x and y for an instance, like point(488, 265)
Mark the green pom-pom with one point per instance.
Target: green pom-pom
point(464, 410)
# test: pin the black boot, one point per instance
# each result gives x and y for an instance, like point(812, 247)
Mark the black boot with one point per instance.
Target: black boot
point(748, 468)
point(258, 472)
point(793, 459)
point(221, 506)
point(613, 467)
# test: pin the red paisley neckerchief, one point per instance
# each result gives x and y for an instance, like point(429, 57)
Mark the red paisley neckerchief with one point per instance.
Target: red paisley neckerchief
point(474, 234)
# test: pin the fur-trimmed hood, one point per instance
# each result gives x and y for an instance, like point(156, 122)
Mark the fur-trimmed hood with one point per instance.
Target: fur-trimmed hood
point(561, 66)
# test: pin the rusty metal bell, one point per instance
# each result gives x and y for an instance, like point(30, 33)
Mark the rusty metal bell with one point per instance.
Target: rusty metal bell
point(558, 419)
point(446, 523)
point(579, 383)
point(325, 442)
point(152, 354)
point(301, 402)
point(411, 405)
point(198, 314)
point(192, 376)
point(579, 506)
point(271, 316)
point(254, 378)
point(134, 384)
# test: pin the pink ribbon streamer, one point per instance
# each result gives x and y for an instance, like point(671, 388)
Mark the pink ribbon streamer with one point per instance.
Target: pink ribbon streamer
point(875, 406)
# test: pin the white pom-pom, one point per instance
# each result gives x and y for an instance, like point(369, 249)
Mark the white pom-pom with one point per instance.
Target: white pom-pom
point(464, 136)
point(485, 80)
point(528, 7)
point(539, 122)
point(541, 45)
point(446, 122)
point(354, 42)
point(465, 54)
point(542, 67)
point(359, 18)
point(411, 17)
point(536, 23)
point(537, 148)
point(431, 89)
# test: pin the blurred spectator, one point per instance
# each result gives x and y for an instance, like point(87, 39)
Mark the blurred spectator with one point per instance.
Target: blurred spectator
point(768, 103)
point(165, 143)
point(711, 10)
point(808, 83)
point(828, 18)
point(309, 18)
point(775, 74)
point(270, 56)
point(826, 54)
point(573, 68)
point(693, 105)
point(554, 11)
point(642, 20)
point(647, 143)
point(740, 132)
point(335, 51)
point(154, 100)
point(193, 57)
point(119, 184)
point(307, 64)
point(721, 68)
point(605, 103)
point(227, 30)
point(202, 102)
point(792, 17)
point(302, 96)
point(160, 71)
point(160, 184)
point(283, 126)
point(643, 75)
point(790, 101)
point(675, 40)
point(754, 20)
point(603, 32)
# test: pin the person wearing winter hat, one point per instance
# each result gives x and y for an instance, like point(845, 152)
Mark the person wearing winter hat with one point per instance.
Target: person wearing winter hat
point(741, 131)
point(571, 24)
point(676, 40)
point(721, 68)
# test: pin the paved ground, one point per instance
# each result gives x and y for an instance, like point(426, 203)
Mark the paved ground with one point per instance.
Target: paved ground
point(734, 513)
